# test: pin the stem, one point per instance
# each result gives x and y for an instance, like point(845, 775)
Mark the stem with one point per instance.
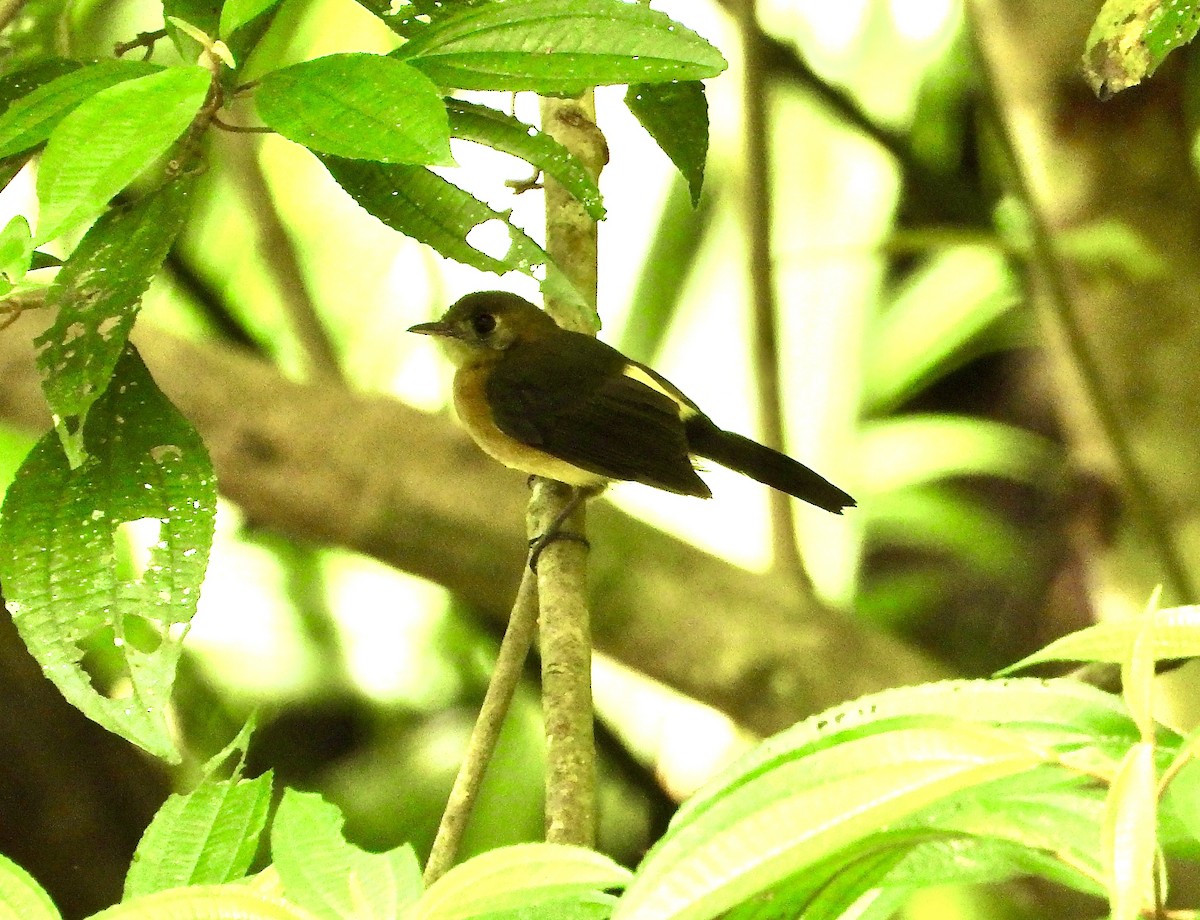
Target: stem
point(1144, 502)
point(566, 642)
point(510, 663)
point(765, 342)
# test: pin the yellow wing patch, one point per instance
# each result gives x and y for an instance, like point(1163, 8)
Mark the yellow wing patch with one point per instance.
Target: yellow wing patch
point(686, 409)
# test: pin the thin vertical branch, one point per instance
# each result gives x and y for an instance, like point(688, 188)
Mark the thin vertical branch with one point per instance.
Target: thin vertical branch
point(562, 570)
point(765, 344)
point(510, 664)
point(1144, 502)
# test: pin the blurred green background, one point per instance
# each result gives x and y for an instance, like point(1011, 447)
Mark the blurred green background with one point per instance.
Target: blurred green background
point(918, 374)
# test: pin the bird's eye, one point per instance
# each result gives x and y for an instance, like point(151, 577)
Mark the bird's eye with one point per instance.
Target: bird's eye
point(483, 323)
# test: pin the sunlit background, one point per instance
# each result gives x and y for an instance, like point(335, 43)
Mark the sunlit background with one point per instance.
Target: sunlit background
point(370, 677)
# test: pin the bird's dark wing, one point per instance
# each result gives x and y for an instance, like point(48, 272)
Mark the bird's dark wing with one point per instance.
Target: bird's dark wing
point(577, 403)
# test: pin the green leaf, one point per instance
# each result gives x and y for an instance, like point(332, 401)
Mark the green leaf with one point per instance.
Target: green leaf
point(676, 116)
point(1052, 710)
point(936, 322)
point(21, 83)
point(361, 106)
point(17, 84)
point(518, 878)
point(31, 119)
point(559, 47)
point(22, 898)
point(408, 18)
point(16, 251)
point(1174, 632)
point(148, 482)
point(207, 837)
point(1129, 842)
point(918, 449)
point(423, 205)
point(97, 294)
point(1137, 672)
point(332, 878)
point(99, 148)
point(485, 125)
point(237, 13)
point(204, 15)
point(1013, 826)
point(206, 902)
point(1130, 39)
point(804, 811)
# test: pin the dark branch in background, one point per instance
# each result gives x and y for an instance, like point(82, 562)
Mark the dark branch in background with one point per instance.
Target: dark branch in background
point(756, 129)
point(211, 304)
point(943, 196)
point(279, 257)
point(1144, 501)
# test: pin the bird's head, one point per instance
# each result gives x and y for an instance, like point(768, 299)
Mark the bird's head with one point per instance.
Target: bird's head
point(480, 327)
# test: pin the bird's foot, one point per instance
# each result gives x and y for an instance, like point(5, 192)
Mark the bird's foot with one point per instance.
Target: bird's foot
point(538, 544)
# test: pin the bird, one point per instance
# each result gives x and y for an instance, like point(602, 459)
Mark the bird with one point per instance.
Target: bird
point(566, 406)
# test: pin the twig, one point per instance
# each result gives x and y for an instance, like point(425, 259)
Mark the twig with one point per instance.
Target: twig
point(145, 40)
point(16, 304)
point(510, 663)
point(1143, 500)
point(765, 344)
point(281, 260)
point(566, 643)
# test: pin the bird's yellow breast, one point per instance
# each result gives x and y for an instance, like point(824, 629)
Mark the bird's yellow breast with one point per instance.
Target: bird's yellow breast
point(470, 402)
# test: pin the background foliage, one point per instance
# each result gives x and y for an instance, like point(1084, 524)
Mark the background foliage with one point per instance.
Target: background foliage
point(961, 240)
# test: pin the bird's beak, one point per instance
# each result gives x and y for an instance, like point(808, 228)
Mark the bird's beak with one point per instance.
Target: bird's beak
point(438, 328)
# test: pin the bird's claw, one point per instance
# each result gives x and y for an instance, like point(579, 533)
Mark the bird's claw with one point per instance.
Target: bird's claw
point(538, 544)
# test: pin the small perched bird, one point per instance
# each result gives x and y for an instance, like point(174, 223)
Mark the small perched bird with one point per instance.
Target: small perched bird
point(565, 406)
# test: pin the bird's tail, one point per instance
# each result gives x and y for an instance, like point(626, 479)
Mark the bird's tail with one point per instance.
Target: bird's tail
point(768, 466)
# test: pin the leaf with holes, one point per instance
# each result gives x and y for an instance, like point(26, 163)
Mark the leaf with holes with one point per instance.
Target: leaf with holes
point(97, 294)
point(362, 106)
point(408, 18)
point(485, 125)
point(676, 116)
point(105, 560)
point(423, 205)
point(559, 47)
point(108, 140)
point(1131, 38)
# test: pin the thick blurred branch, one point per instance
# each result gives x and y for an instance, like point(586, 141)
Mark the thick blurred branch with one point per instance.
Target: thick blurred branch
point(327, 465)
point(1123, 340)
point(1144, 502)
